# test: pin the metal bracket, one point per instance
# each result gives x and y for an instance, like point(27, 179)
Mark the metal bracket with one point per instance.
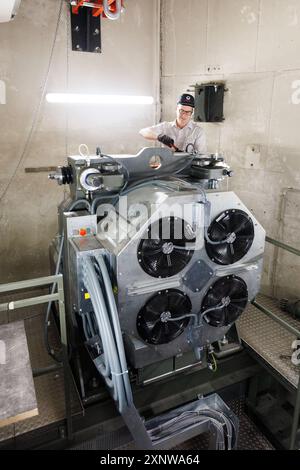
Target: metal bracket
point(86, 31)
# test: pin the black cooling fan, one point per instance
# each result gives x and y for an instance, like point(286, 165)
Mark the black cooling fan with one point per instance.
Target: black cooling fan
point(153, 321)
point(236, 228)
point(167, 247)
point(225, 301)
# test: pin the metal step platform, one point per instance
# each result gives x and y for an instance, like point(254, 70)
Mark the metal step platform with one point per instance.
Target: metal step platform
point(269, 340)
point(268, 333)
point(49, 387)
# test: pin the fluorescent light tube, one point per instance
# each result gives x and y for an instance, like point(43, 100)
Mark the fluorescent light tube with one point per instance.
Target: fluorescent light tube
point(97, 99)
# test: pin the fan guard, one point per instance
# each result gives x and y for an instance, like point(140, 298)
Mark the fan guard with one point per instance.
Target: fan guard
point(236, 228)
point(152, 321)
point(232, 293)
point(167, 247)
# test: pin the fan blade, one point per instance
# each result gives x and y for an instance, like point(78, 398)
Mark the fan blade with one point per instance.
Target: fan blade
point(216, 234)
point(244, 238)
point(180, 309)
point(223, 223)
point(162, 267)
point(241, 299)
point(182, 256)
point(236, 288)
point(221, 251)
point(230, 255)
point(241, 225)
point(169, 261)
point(174, 301)
point(173, 329)
point(238, 307)
point(150, 325)
point(151, 313)
point(159, 303)
point(149, 252)
point(157, 332)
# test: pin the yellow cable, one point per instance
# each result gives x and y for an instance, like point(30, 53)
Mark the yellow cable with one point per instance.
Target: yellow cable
point(215, 365)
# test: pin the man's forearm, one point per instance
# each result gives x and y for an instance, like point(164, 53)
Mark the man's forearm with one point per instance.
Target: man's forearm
point(148, 134)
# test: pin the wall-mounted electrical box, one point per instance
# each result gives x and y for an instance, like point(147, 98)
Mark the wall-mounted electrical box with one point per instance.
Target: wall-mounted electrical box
point(209, 102)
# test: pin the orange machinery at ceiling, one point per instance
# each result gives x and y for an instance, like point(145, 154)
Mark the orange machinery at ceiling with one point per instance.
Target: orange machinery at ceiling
point(86, 22)
point(97, 5)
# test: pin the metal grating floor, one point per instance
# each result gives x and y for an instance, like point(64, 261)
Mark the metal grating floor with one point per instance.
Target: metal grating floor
point(269, 339)
point(49, 387)
point(250, 437)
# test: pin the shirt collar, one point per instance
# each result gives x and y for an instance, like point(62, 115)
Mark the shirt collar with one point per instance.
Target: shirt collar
point(189, 126)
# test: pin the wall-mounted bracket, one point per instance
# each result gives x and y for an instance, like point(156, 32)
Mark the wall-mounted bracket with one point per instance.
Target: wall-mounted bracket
point(86, 31)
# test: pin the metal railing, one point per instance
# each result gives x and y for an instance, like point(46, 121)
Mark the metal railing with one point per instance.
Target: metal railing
point(291, 330)
point(28, 302)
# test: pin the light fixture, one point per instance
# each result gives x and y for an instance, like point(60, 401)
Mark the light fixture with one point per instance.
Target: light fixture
point(77, 98)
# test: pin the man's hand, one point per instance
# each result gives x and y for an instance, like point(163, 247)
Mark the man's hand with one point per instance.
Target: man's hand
point(166, 140)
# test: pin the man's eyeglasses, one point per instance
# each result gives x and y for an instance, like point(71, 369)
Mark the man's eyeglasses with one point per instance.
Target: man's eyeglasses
point(182, 111)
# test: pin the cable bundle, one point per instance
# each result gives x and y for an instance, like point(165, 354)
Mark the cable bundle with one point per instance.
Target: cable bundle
point(113, 365)
point(216, 421)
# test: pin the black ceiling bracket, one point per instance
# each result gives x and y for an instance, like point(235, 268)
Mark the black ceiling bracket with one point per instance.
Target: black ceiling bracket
point(86, 31)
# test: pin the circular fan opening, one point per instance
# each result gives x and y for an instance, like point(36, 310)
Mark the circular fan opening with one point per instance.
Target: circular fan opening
point(167, 247)
point(230, 237)
point(225, 301)
point(156, 322)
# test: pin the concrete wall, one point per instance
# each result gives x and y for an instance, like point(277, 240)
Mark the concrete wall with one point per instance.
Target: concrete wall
point(254, 47)
point(35, 133)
